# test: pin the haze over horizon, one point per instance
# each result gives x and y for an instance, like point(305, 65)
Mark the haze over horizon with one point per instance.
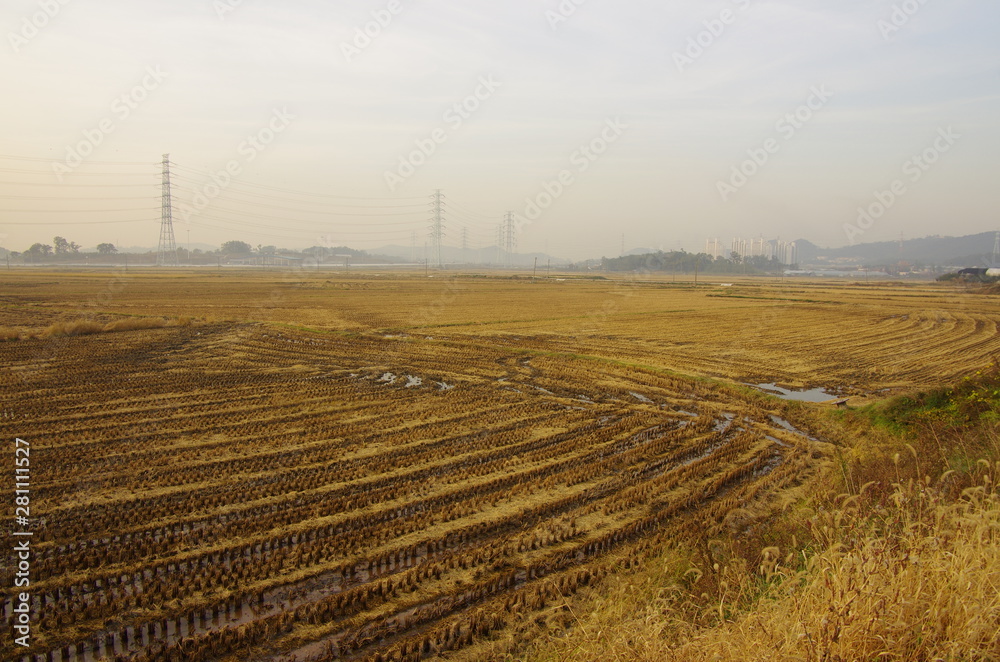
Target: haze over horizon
point(665, 124)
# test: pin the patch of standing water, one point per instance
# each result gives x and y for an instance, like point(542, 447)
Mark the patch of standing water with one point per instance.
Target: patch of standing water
point(723, 425)
point(791, 428)
point(782, 422)
point(809, 395)
point(777, 441)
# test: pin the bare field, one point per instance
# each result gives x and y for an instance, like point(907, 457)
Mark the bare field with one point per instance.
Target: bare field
point(386, 467)
point(840, 334)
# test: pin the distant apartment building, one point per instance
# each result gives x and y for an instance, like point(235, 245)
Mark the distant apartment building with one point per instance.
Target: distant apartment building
point(714, 248)
point(784, 251)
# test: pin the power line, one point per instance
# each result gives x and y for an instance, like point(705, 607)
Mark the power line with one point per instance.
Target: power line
point(66, 185)
point(51, 199)
point(34, 223)
point(464, 211)
point(78, 174)
point(327, 212)
point(245, 207)
point(238, 183)
point(285, 219)
point(265, 196)
point(72, 211)
point(198, 188)
point(241, 224)
point(41, 159)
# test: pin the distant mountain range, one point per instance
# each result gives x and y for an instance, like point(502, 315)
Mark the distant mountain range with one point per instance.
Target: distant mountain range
point(974, 250)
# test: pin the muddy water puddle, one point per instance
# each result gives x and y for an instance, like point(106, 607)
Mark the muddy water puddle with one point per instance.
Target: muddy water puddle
point(791, 428)
point(807, 395)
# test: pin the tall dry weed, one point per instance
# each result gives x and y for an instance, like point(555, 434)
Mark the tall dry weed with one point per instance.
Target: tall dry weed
point(10, 333)
point(75, 328)
point(135, 324)
point(909, 574)
point(86, 327)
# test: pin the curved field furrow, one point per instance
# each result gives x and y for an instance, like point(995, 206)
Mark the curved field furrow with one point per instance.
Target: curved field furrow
point(339, 497)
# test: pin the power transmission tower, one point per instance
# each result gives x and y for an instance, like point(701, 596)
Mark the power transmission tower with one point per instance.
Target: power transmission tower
point(437, 230)
point(508, 237)
point(996, 248)
point(166, 252)
point(499, 243)
point(465, 244)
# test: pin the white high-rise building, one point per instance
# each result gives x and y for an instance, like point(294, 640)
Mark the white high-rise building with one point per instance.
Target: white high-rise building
point(784, 251)
point(713, 247)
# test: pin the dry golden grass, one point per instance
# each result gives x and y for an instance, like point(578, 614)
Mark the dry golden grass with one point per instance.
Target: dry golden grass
point(899, 567)
point(83, 327)
point(135, 324)
point(914, 577)
point(75, 328)
point(10, 333)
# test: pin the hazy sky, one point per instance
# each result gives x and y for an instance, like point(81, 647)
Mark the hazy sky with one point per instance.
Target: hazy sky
point(643, 109)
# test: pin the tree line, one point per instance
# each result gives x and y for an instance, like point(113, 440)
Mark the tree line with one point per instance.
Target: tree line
point(62, 247)
point(684, 262)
